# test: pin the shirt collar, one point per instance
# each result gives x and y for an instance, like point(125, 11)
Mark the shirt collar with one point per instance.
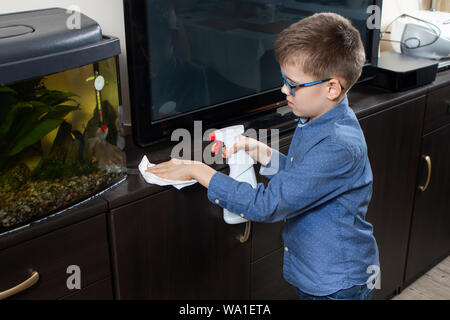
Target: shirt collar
point(334, 113)
point(302, 121)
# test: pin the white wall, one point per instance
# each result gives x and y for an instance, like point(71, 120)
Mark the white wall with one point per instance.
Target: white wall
point(393, 8)
point(108, 13)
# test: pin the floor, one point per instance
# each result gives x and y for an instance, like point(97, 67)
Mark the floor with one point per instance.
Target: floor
point(434, 285)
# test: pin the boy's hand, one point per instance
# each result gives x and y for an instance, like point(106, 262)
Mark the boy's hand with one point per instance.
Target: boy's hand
point(183, 170)
point(174, 169)
point(255, 149)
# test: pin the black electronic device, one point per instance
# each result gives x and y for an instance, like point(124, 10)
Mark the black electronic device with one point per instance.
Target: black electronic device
point(399, 72)
point(213, 61)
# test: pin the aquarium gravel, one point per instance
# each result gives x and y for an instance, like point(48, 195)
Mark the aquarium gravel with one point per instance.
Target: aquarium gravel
point(37, 198)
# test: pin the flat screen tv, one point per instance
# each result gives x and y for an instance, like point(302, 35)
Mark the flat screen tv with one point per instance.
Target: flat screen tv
point(213, 60)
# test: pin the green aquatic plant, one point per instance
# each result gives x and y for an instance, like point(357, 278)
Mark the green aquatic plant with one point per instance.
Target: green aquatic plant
point(29, 111)
point(65, 158)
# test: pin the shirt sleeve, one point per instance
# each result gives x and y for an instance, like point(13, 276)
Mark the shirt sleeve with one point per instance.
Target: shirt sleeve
point(323, 174)
point(276, 162)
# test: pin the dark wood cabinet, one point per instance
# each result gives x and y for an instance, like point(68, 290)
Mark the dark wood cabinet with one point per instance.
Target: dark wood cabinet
point(266, 238)
point(83, 244)
point(267, 282)
point(430, 230)
point(175, 245)
point(392, 138)
point(101, 290)
point(438, 109)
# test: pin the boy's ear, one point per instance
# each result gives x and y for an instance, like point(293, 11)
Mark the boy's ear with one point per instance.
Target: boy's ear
point(334, 89)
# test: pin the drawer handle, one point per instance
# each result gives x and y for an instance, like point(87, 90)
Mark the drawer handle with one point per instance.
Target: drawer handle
point(246, 236)
point(31, 281)
point(427, 183)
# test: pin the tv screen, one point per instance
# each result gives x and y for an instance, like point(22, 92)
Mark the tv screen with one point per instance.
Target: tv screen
point(213, 60)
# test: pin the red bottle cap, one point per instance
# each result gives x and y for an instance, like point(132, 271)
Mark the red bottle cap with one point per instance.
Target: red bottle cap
point(212, 136)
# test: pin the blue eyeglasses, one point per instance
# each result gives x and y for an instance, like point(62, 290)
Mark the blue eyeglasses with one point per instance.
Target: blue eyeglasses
point(308, 84)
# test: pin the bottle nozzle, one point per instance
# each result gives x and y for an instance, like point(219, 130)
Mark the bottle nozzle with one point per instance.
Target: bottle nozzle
point(216, 147)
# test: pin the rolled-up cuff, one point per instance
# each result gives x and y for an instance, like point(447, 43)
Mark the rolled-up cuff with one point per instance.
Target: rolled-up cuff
point(219, 189)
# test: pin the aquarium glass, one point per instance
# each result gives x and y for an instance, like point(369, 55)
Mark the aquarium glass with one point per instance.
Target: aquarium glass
point(61, 141)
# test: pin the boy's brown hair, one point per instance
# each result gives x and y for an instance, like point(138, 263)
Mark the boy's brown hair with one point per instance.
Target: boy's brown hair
point(323, 45)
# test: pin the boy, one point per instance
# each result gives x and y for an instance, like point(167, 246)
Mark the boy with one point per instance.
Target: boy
point(323, 186)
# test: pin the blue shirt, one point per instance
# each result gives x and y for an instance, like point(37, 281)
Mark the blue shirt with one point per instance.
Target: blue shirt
point(322, 189)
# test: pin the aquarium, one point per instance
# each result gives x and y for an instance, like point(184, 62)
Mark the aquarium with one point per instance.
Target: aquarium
point(61, 137)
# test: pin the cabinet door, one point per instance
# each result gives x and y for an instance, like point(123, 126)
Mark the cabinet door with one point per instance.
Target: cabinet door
point(83, 244)
point(101, 290)
point(175, 245)
point(437, 113)
point(430, 230)
point(267, 281)
point(393, 141)
point(266, 237)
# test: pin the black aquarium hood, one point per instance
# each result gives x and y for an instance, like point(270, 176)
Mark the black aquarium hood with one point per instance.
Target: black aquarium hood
point(40, 42)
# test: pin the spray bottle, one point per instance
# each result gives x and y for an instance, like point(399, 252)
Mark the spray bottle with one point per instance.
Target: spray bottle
point(241, 164)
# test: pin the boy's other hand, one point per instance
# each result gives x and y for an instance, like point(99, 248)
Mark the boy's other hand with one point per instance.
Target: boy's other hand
point(244, 143)
point(257, 150)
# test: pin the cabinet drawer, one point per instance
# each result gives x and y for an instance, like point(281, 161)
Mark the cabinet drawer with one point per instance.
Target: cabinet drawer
point(83, 244)
point(437, 113)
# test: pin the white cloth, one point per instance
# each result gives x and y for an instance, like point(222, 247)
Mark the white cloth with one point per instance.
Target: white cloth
point(153, 179)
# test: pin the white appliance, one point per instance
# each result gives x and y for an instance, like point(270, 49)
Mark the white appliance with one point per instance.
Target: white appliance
point(422, 33)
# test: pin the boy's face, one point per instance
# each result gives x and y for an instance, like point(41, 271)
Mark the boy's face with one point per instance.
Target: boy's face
point(308, 102)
